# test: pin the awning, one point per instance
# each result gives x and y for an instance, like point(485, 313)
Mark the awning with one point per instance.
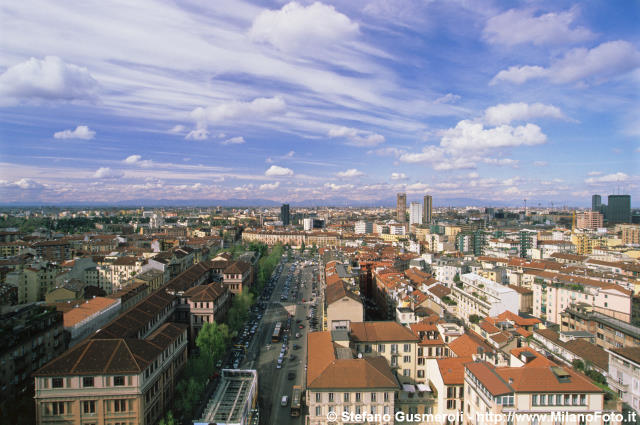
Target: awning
point(408, 388)
point(423, 388)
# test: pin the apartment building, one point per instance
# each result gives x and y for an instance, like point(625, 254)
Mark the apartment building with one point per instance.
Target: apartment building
point(31, 336)
point(446, 377)
point(390, 340)
point(112, 380)
point(591, 220)
point(483, 297)
point(207, 304)
point(536, 385)
point(342, 306)
point(271, 238)
point(624, 374)
point(554, 292)
point(609, 332)
point(237, 276)
point(338, 383)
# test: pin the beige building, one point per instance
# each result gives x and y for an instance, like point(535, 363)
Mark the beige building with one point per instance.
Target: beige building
point(109, 381)
point(590, 220)
point(207, 304)
point(338, 384)
point(396, 343)
point(537, 386)
point(630, 234)
point(237, 276)
point(342, 307)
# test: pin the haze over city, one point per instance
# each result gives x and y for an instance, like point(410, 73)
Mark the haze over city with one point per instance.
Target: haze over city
point(323, 102)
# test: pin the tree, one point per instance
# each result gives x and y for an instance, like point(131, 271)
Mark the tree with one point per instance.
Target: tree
point(577, 364)
point(474, 318)
point(188, 392)
point(302, 248)
point(212, 340)
point(168, 419)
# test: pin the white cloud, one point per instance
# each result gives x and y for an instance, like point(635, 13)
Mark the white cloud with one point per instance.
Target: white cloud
point(238, 140)
point(594, 173)
point(417, 187)
point(199, 134)
point(296, 28)
point(468, 135)
point(398, 176)
point(352, 172)
point(507, 113)
point(107, 173)
point(521, 26)
point(290, 154)
point(137, 160)
point(262, 107)
point(429, 153)
point(277, 171)
point(501, 161)
point(81, 132)
point(177, 129)
point(447, 98)
point(47, 79)
point(269, 186)
point(334, 186)
point(540, 163)
point(26, 184)
point(473, 175)
point(387, 152)
point(459, 163)
point(599, 64)
point(357, 137)
point(609, 178)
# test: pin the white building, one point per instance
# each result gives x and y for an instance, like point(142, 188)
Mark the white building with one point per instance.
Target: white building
point(483, 297)
point(624, 374)
point(363, 227)
point(415, 213)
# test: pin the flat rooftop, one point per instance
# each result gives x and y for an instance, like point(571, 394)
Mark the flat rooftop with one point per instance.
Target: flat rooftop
point(231, 397)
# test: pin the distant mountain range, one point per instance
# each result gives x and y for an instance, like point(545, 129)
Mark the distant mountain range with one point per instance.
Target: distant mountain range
point(331, 202)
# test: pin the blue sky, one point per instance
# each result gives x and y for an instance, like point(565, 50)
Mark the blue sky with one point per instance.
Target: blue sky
point(290, 101)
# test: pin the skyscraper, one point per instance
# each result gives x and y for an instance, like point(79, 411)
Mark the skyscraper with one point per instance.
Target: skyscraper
point(619, 209)
point(426, 209)
point(596, 203)
point(401, 208)
point(285, 217)
point(415, 213)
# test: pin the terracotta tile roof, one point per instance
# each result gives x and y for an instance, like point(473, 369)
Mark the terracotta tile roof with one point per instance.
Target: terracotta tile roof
point(518, 320)
point(73, 315)
point(487, 375)
point(543, 379)
point(488, 327)
point(521, 290)
point(589, 351)
point(336, 292)
point(381, 331)
point(237, 267)
point(206, 293)
point(631, 353)
point(325, 371)
point(538, 361)
point(452, 369)
point(467, 345)
point(439, 290)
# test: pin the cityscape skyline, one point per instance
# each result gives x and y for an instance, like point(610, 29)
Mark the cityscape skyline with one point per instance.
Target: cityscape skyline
point(319, 101)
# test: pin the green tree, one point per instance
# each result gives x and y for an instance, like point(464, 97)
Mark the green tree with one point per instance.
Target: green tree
point(212, 340)
point(474, 318)
point(577, 364)
point(168, 419)
point(188, 391)
point(302, 248)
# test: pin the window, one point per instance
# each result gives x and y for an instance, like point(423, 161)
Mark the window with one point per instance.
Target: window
point(420, 352)
point(57, 383)
point(358, 410)
point(318, 411)
point(420, 373)
point(394, 348)
point(89, 406)
point(87, 381)
point(118, 381)
point(330, 397)
point(381, 348)
point(57, 408)
point(543, 399)
point(386, 396)
point(406, 372)
point(407, 359)
point(367, 348)
point(451, 404)
point(534, 399)
point(346, 397)
point(358, 397)
point(407, 348)
point(558, 399)
point(583, 399)
point(119, 405)
point(567, 399)
point(451, 392)
point(318, 397)
point(373, 397)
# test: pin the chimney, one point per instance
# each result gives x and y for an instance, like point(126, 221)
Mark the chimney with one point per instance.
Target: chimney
point(510, 381)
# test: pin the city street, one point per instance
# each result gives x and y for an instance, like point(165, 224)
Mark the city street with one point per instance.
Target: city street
point(263, 354)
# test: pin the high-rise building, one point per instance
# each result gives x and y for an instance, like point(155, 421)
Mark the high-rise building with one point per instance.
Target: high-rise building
point(285, 216)
point(596, 203)
point(426, 210)
point(363, 227)
point(401, 208)
point(415, 213)
point(619, 209)
point(590, 220)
